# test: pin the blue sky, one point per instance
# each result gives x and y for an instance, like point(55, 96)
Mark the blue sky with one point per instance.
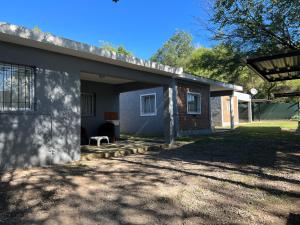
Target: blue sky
point(142, 26)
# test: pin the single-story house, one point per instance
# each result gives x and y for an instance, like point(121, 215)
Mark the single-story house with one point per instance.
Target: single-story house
point(52, 87)
point(135, 121)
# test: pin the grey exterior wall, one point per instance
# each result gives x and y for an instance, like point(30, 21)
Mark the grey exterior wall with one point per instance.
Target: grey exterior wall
point(132, 122)
point(216, 111)
point(106, 100)
point(51, 133)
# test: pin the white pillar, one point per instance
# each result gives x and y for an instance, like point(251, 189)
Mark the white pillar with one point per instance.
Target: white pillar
point(249, 112)
point(169, 124)
point(231, 112)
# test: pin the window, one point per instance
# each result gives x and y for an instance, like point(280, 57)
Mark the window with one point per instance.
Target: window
point(193, 103)
point(148, 104)
point(16, 87)
point(87, 104)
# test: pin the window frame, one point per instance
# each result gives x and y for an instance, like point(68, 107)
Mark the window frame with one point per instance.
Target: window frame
point(187, 103)
point(31, 95)
point(93, 104)
point(141, 105)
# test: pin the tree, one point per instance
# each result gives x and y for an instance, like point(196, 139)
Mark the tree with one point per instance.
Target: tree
point(118, 49)
point(257, 26)
point(175, 51)
point(221, 62)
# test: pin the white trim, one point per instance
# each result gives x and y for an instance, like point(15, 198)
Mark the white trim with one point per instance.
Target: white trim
point(155, 109)
point(200, 103)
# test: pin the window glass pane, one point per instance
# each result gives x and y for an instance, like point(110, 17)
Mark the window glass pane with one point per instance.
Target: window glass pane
point(148, 104)
point(22, 88)
point(193, 103)
point(7, 87)
point(14, 87)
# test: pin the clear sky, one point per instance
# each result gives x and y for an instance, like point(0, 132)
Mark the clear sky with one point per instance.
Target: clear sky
point(141, 26)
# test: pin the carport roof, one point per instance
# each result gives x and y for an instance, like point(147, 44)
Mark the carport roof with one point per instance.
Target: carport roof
point(277, 67)
point(26, 37)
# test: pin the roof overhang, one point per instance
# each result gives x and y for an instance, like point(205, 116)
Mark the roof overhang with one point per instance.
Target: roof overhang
point(277, 67)
point(26, 37)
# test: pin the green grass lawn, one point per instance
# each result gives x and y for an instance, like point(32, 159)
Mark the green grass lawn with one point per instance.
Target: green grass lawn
point(283, 124)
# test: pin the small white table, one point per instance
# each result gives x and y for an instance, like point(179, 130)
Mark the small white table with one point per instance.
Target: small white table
point(99, 139)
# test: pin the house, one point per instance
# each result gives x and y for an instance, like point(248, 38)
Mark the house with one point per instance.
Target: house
point(135, 121)
point(58, 86)
point(229, 111)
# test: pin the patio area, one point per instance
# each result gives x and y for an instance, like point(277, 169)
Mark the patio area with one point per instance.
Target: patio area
point(123, 147)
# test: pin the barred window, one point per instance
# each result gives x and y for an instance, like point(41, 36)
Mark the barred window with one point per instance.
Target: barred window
point(16, 87)
point(87, 104)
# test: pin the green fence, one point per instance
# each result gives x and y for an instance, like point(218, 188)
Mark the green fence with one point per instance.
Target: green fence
point(274, 111)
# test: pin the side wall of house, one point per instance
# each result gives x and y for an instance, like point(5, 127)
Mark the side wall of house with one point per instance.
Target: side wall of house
point(130, 119)
point(193, 124)
point(106, 100)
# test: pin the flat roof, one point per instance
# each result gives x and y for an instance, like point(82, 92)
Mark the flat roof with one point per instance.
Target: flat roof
point(277, 67)
point(27, 37)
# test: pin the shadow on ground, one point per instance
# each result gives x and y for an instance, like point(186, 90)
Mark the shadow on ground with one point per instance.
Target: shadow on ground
point(247, 176)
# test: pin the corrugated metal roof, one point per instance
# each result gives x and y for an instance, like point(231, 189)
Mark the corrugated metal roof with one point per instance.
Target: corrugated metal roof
point(277, 67)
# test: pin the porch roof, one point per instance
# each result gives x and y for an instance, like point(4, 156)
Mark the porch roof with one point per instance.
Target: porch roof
point(26, 37)
point(277, 67)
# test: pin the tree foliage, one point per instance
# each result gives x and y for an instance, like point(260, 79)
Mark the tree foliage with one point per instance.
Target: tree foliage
point(257, 26)
point(118, 49)
point(175, 51)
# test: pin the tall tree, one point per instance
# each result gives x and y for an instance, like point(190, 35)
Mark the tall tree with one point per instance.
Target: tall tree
point(257, 26)
point(176, 50)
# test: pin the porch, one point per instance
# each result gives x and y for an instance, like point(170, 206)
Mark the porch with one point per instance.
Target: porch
point(100, 105)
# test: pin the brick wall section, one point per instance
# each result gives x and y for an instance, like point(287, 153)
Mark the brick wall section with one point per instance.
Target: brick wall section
point(193, 122)
point(226, 109)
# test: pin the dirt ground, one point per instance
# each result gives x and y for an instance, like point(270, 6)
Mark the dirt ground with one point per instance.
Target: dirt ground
point(248, 176)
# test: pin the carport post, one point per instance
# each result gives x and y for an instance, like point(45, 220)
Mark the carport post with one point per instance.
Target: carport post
point(169, 122)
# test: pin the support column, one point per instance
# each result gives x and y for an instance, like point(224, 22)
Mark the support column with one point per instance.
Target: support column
point(250, 112)
point(231, 112)
point(169, 122)
point(175, 108)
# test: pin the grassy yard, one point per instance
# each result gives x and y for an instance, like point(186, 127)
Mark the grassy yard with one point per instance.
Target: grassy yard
point(248, 176)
